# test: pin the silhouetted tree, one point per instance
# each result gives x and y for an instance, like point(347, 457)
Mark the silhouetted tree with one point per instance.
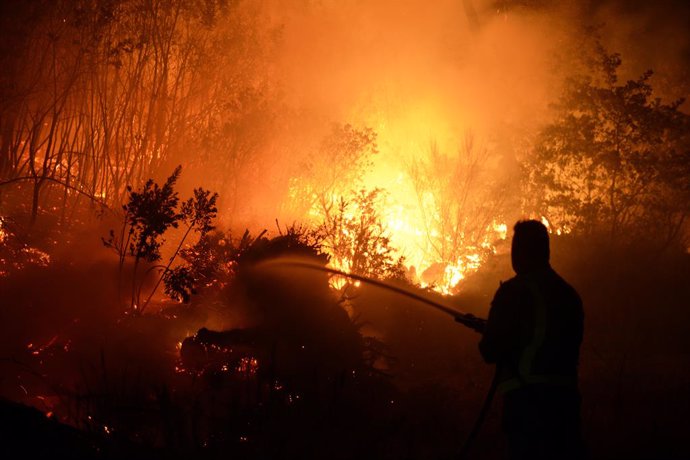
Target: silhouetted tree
point(197, 213)
point(615, 159)
point(98, 95)
point(148, 214)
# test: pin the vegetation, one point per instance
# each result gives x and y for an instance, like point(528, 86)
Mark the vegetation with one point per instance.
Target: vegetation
point(148, 214)
point(100, 99)
point(357, 240)
point(115, 91)
point(614, 160)
point(461, 197)
point(334, 170)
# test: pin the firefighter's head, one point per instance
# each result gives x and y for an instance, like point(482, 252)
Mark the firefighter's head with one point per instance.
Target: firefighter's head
point(530, 249)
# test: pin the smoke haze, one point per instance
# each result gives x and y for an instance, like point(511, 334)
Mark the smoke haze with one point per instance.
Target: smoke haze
point(436, 72)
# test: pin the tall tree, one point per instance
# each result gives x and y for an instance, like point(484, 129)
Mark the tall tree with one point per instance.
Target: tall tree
point(100, 94)
point(615, 159)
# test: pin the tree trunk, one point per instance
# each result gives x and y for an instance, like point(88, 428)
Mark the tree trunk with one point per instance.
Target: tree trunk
point(7, 127)
point(35, 201)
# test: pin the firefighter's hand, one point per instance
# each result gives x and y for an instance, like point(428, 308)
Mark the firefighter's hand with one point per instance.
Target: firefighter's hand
point(471, 321)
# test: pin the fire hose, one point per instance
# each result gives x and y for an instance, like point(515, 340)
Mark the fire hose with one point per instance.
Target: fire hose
point(466, 319)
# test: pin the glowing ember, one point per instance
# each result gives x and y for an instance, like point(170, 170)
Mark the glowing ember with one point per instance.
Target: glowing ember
point(248, 366)
point(15, 254)
point(3, 232)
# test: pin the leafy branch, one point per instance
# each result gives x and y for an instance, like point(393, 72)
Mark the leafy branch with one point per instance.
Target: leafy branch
point(148, 214)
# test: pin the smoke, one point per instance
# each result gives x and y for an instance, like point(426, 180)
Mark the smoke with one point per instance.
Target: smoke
point(650, 36)
point(422, 73)
point(415, 72)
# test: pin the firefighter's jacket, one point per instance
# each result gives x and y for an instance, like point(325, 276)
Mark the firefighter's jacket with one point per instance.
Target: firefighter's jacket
point(534, 331)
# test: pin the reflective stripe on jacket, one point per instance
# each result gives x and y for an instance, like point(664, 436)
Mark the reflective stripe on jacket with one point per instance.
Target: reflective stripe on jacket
point(534, 331)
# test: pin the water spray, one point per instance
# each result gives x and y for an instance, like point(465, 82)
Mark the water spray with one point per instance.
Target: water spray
point(466, 319)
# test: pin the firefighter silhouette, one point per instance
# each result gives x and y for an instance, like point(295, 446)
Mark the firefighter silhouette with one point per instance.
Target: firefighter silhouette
point(533, 335)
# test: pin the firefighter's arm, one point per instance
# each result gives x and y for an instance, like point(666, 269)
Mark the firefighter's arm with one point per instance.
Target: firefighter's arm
point(500, 336)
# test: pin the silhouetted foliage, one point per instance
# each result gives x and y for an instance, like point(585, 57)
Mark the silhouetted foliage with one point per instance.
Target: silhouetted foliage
point(296, 241)
point(301, 337)
point(213, 256)
point(615, 160)
point(180, 283)
point(197, 213)
point(149, 213)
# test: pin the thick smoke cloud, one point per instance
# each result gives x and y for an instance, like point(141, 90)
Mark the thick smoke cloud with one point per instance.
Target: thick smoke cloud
point(433, 72)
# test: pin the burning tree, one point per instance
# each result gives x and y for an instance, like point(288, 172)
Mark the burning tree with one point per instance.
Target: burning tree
point(114, 91)
point(347, 215)
point(356, 238)
point(334, 170)
point(462, 200)
point(615, 159)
